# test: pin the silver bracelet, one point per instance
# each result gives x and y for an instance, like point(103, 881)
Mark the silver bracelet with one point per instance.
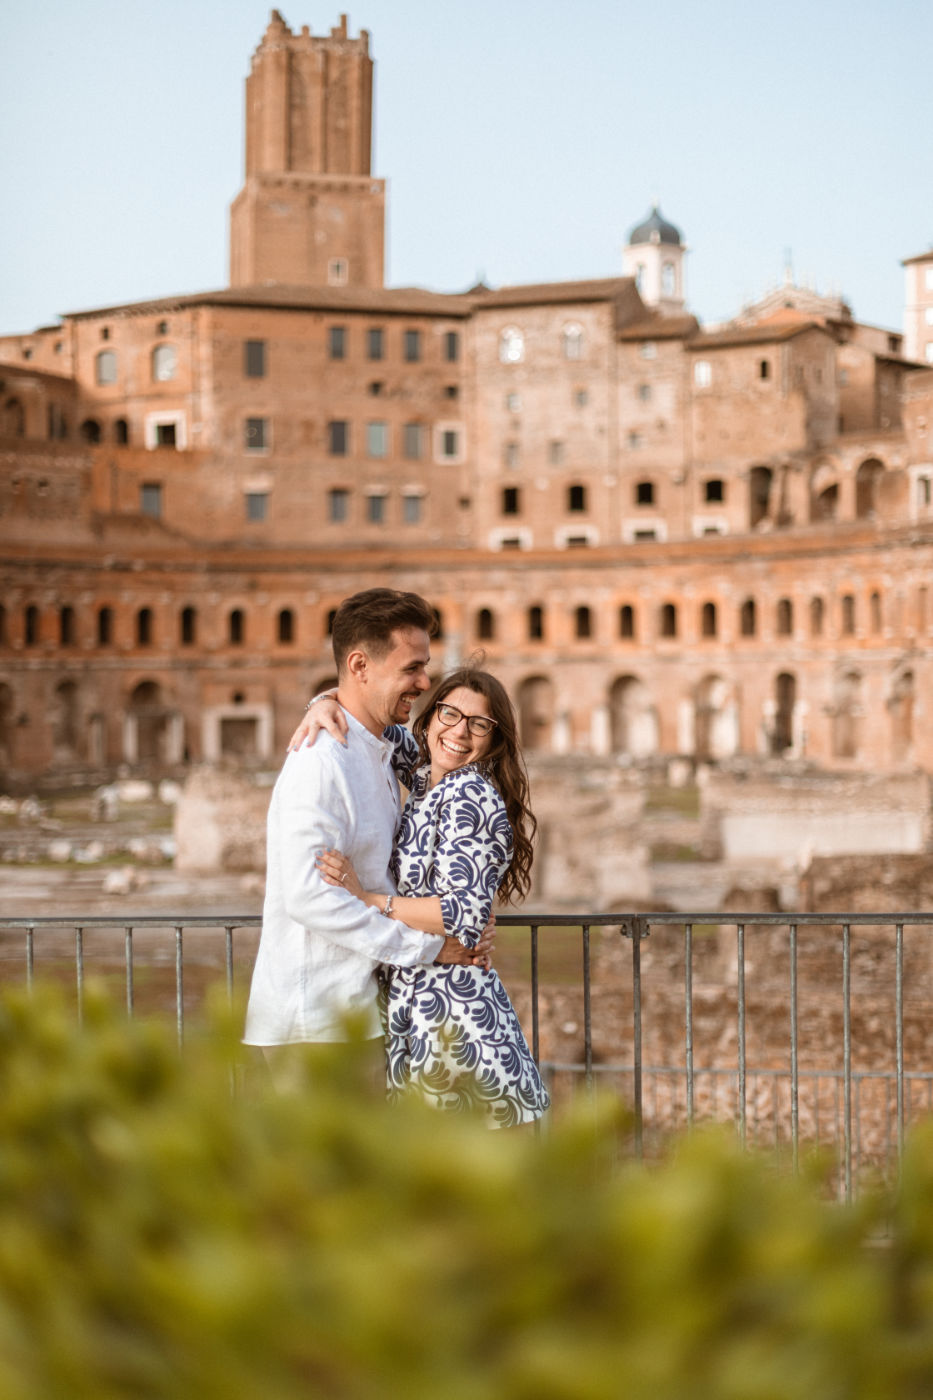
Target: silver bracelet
point(387, 911)
point(315, 698)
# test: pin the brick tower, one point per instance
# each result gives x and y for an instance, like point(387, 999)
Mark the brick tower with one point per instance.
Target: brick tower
point(309, 213)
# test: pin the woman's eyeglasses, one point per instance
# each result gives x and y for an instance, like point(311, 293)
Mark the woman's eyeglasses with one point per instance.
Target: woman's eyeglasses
point(478, 725)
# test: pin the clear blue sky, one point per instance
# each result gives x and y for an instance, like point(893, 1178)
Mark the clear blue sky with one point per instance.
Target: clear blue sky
point(522, 139)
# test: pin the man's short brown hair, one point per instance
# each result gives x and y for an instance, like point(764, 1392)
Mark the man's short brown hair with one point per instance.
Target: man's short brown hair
point(368, 620)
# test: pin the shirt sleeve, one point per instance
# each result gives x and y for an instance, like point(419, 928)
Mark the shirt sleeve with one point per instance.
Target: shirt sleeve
point(313, 809)
point(405, 755)
point(471, 854)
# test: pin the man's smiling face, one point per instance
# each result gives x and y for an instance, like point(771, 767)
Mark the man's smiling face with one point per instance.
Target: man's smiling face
point(394, 682)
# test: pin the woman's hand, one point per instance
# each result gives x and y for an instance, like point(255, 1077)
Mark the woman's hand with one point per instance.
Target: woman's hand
point(337, 869)
point(321, 714)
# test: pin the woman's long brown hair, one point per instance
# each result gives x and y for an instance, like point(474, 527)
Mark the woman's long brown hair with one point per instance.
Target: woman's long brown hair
point(503, 764)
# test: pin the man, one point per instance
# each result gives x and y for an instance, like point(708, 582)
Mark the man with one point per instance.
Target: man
point(319, 945)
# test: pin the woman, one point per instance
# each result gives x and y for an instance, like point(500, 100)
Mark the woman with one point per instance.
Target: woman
point(465, 835)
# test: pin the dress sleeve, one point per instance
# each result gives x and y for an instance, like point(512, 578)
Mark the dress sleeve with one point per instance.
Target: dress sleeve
point(404, 757)
point(471, 854)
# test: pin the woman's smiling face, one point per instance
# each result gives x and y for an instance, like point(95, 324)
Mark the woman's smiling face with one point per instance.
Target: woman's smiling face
point(452, 745)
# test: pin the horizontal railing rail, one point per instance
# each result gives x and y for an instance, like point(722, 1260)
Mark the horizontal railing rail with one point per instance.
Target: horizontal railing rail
point(688, 1016)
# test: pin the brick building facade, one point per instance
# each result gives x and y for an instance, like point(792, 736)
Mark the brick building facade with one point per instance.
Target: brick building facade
point(668, 540)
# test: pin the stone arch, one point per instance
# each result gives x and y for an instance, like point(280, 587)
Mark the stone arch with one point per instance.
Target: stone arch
point(90, 430)
point(633, 719)
point(148, 723)
point(536, 713)
point(715, 718)
point(847, 714)
point(824, 492)
point(785, 701)
point(867, 481)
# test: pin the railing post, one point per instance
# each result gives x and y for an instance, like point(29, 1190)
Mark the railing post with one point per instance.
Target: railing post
point(899, 1038)
point(847, 1057)
point(688, 1018)
point(637, 928)
point(587, 1011)
point(794, 1054)
point(535, 1025)
point(740, 994)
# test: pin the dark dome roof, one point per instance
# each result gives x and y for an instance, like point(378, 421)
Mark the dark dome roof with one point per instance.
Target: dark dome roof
point(655, 230)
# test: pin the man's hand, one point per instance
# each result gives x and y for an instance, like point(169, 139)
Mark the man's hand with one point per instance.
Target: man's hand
point(325, 714)
point(480, 955)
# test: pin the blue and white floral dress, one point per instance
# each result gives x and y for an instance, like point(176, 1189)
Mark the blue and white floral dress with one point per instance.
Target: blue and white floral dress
point(452, 1032)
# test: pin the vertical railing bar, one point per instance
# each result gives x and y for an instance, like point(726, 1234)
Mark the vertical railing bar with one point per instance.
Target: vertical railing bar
point(794, 1054)
point(128, 954)
point(899, 1036)
point(847, 1055)
point(535, 1023)
point(79, 968)
point(179, 985)
point(228, 961)
point(688, 1018)
point(30, 956)
point(740, 990)
point(637, 1087)
point(587, 1017)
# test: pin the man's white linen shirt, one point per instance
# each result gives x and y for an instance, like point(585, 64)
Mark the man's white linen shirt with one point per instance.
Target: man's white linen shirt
point(320, 945)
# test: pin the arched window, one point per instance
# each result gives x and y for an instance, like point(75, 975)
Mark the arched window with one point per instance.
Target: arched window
point(31, 625)
point(667, 620)
point(785, 617)
point(438, 624)
point(330, 621)
point(104, 626)
point(764, 369)
point(708, 620)
point(286, 626)
point(90, 430)
point(13, 421)
point(3, 636)
point(627, 621)
point(817, 612)
point(105, 367)
point(236, 627)
point(748, 622)
point(759, 494)
point(485, 625)
point(511, 346)
point(121, 432)
point(572, 340)
point(785, 699)
point(576, 497)
point(188, 626)
point(66, 626)
point(535, 623)
point(164, 363)
point(583, 623)
point(848, 614)
point(874, 604)
point(144, 627)
point(668, 279)
point(536, 712)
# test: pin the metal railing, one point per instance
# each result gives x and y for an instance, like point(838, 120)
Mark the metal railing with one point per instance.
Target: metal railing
point(677, 1049)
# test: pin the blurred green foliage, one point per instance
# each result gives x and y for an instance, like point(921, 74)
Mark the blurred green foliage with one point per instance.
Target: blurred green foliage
point(164, 1236)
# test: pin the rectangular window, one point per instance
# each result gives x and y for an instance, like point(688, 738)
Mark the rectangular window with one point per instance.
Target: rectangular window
point(339, 504)
point(412, 346)
point(411, 510)
point(511, 455)
point(450, 443)
point(376, 509)
point(165, 435)
point(555, 452)
point(150, 499)
point(375, 343)
point(337, 342)
point(377, 439)
point(452, 346)
point(338, 437)
point(257, 503)
point(510, 500)
point(413, 441)
point(256, 434)
point(715, 489)
point(254, 359)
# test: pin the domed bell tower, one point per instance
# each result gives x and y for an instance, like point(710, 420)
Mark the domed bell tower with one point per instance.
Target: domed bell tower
point(654, 256)
point(310, 212)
